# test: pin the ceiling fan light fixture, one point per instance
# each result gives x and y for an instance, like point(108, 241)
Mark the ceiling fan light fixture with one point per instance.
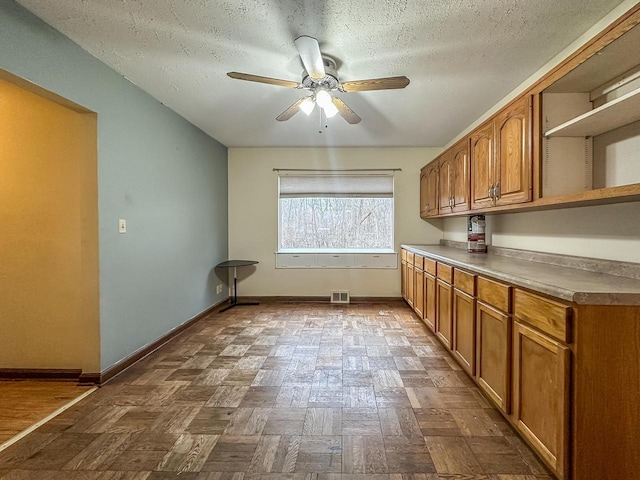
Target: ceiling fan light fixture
point(323, 98)
point(330, 110)
point(307, 105)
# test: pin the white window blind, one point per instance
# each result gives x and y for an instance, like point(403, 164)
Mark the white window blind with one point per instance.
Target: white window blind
point(333, 211)
point(345, 186)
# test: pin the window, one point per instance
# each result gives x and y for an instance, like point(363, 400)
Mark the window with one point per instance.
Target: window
point(334, 212)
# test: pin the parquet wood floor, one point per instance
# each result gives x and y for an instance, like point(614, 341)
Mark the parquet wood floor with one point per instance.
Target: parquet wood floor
point(284, 392)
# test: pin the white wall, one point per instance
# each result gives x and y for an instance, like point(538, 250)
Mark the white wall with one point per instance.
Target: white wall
point(253, 217)
point(608, 231)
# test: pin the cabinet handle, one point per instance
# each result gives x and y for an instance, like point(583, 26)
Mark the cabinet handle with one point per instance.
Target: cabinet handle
point(490, 191)
point(496, 190)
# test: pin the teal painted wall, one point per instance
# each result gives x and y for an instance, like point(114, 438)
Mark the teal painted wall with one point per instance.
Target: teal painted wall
point(166, 177)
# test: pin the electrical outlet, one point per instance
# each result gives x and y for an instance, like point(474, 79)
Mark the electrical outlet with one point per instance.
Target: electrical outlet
point(122, 225)
point(219, 288)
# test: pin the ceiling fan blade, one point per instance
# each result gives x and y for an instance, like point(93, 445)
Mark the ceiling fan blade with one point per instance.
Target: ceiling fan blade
point(345, 112)
point(309, 51)
point(268, 80)
point(291, 111)
point(387, 83)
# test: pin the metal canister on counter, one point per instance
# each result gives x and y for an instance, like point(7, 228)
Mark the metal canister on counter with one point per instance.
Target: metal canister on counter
point(475, 234)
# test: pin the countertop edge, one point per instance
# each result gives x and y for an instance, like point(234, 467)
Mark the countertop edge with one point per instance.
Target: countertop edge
point(577, 297)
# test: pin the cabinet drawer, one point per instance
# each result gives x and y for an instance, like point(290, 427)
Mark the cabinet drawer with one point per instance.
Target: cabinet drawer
point(494, 293)
point(410, 258)
point(464, 281)
point(551, 317)
point(444, 272)
point(295, 260)
point(376, 260)
point(338, 260)
point(418, 261)
point(430, 266)
point(403, 255)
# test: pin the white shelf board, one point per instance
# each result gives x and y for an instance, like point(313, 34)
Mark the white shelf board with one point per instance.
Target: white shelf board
point(616, 113)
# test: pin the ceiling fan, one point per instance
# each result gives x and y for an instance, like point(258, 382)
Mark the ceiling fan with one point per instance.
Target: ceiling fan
point(320, 77)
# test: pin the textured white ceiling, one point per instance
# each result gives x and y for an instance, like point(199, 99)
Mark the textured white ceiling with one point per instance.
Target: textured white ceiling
point(462, 56)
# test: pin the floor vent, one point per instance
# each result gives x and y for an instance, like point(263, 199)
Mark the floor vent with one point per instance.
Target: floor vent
point(340, 297)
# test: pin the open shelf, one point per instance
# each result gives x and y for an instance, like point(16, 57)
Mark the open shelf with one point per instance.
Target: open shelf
point(614, 114)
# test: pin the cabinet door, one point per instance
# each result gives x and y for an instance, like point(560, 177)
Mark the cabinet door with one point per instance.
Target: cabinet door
point(403, 279)
point(464, 330)
point(541, 394)
point(513, 153)
point(432, 190)
point(424, 192)
point(444, 184)
point(444, 326)
point(481, 158)
point(418, 302)
point(411, 284)
point(493, 351)
point(460, 177)
point(430, 301)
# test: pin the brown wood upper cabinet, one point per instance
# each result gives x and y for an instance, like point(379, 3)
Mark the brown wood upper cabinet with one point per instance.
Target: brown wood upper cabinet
point(454, 179)
point(492, 167)
point(512, 173)
point(481, 159)
point(551, 147)
point(501, 158)
point(429, 190)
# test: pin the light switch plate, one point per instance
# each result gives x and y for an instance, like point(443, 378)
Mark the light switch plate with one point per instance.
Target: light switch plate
point(122, 225)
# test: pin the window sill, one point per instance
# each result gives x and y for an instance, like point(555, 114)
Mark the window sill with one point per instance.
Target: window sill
point(337, 258)
point(336, 250)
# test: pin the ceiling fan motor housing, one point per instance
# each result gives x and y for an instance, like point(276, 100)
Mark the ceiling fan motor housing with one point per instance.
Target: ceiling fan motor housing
point(330, 80)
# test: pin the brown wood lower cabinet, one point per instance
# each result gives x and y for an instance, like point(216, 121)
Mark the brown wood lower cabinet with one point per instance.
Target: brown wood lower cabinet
point(403, 278)
point(411, 283)
point(464, 330)
point(418, 301)
point(430, 306)
point(444, 300)
point(565, 375)
point(541, 372)
point(493, 344)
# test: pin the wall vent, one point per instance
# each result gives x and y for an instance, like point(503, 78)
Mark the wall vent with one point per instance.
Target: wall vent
point(341, 296)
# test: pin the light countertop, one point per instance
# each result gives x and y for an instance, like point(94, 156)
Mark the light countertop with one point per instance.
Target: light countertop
point(571, 284)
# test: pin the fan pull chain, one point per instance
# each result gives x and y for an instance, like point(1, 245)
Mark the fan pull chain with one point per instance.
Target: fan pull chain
point(323, 120)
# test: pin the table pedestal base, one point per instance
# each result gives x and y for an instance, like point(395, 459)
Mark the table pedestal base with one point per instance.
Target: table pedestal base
point(233, 302)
